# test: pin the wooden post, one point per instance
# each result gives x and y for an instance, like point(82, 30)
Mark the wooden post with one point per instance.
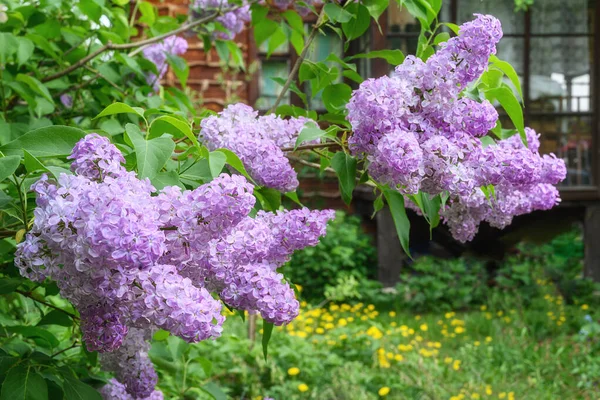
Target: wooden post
point(389, 252)
point(591, 233)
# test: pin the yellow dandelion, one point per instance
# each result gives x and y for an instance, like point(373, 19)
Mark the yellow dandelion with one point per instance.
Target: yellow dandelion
point(501, 395)
point(423, 327)
point(384, 391)
point(456, 365)
point(392, 314)
point(398, 357)
point(459, 329)
point(488, 339)
point(585, 307)
point(477, 343)
point(488, 390)
point(293, 371)
point(448, 360)
point(303, 387)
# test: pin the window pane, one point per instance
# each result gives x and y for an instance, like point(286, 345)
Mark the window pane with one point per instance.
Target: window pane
point(569, 138)
point(400, 20)
point(512, 22)
point(268, 88)
point(560, 74)
point(560, 16)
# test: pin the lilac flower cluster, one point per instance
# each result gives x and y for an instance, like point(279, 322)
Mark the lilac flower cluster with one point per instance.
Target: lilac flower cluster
point(418, 134)
point(258, 141)
point(158, 54)
point(233, 21)
point(132, 260)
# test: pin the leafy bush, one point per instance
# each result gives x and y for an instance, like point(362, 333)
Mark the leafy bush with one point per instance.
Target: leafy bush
point(439, 284)
point(345, 249)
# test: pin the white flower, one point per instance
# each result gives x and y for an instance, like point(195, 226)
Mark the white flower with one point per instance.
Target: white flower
point(3, 15)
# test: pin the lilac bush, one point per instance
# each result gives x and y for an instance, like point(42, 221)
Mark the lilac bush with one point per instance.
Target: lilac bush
point(132, 260)
point(417, 133)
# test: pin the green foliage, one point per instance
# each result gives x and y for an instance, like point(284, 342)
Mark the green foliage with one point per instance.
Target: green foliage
point(345, 249)
point(440, 284)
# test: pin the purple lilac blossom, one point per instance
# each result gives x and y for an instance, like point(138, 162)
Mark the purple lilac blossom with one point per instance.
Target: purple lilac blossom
point(233, 21)
point(417, 133)
point(132, 260)
point(158, 54)
point(115, 390)
point(66, 100)
point(258, 141)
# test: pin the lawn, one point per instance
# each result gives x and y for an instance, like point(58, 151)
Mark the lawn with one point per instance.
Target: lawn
point(360, 351)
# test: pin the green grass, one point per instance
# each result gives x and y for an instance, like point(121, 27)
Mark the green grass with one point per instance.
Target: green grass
point(355, 352)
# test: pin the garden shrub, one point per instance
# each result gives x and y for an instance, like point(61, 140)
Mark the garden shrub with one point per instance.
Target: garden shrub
point(442, 284)
point(345, 250)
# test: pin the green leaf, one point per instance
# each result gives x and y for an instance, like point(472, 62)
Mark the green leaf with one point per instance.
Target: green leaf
point(335, 97)
point(214, 390)
point(8, 285)
point(216, 162)
point(395, 201)
point(294, 197)
point(431, 208)
point(309, 133)
point(172, 126)
point(8, 46)
point(294, 21)
point(32, 163)
point(509, 102)
point(394, 57)
point(271, 198)
point(35, 85)
point(148, 13)
point(377, 205)
point(151, 155)
point(34, 332)
point(161, 335)
point(441, 37)
point(376, 7)
point(180, 68)
point(56, 317)
point(51, 141)
point(25, 50)
point(345, 167)
point(509, 71)
point(357, 26)
point(264, 30)
point(166, 178)
point(23, 383)
point(337, 13)
point(120, 108)
point(8, 165)
point(76, 390)
point(236, 163)
point(267, 331)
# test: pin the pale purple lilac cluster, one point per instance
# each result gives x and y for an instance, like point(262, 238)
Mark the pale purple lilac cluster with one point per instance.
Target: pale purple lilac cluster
point(233, 21)
point(258, 141)
point(158, 53)
point(418, 134)
point(132, 260)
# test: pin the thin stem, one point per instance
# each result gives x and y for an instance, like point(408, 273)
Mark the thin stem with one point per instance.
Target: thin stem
point(75, 344)
point(296, 67)
point(327, 169)
point(135, 10)
point(311, 146)
point(22, 200)
point(126, 46)
point(27, 294)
